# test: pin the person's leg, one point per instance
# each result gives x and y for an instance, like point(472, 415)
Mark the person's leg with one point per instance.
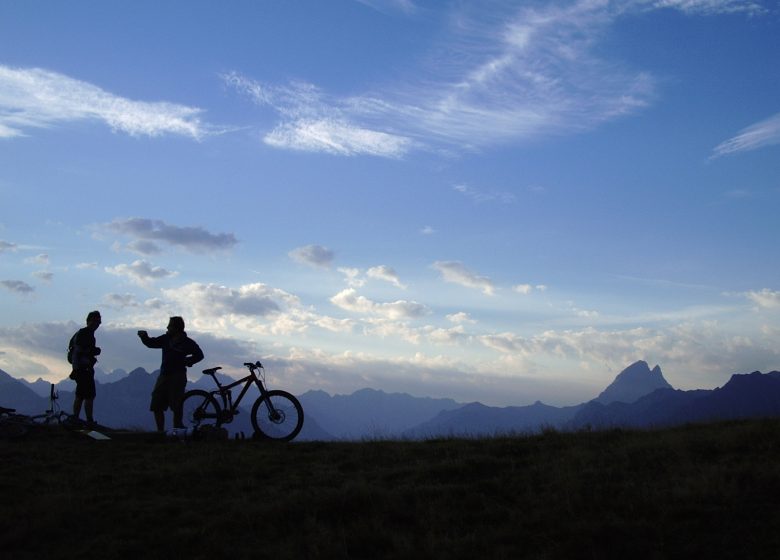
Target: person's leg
point(88, 393)
point(77, 406)
point(159, 419)
point(88, 410)
point(176, 398)
point(159, 402)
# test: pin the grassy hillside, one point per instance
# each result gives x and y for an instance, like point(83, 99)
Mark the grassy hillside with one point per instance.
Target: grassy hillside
point(694, 492)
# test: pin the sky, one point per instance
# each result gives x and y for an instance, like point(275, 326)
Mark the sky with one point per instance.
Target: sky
point(488, 201)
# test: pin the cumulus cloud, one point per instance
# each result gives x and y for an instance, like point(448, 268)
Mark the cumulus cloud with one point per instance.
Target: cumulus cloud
point(17, 286)
point(455, 272)
point(42, 259)
point(148, 233)
point(213, 300)
point(141, 271)
point(44, 275)
point(349, 300)
point(7, 246)
point(387, 274)
point(33, 98)
point(352, 276)
point(759, 135)
point(460, 317)
point(526, 289)
point(313, 255)
point(120, 301)
point(766, 298)
point(698, 350)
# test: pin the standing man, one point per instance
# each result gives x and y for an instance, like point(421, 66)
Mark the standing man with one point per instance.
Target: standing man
point(178, 353)
point(83, 357)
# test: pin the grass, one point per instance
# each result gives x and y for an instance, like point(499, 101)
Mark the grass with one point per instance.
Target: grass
point(702, 491)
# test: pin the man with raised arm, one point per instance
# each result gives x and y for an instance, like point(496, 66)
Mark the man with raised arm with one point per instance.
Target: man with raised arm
point(83, 354)
point(178, 353)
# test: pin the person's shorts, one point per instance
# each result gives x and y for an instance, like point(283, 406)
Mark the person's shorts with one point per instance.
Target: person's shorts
point(85, 384)
point(168, 391)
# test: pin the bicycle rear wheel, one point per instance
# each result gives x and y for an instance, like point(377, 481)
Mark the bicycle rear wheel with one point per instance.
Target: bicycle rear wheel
point(277, 415)
point(200, 409)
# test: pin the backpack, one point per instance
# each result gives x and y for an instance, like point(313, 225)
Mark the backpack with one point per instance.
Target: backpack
point(71, 346)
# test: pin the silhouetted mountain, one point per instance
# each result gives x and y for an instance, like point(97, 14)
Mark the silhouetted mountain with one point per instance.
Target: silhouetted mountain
point(371, 413)
point(632, 383)
point(40, 387)
point(750, 395)
point(16, 394)
point(476, 419)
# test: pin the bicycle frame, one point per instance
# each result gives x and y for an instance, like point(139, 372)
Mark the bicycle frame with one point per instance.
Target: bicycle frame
point(229, 405)
point(281, 417)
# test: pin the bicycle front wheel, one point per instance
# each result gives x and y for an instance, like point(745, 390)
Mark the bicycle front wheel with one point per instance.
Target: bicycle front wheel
point(200, 409)
point(277, 415)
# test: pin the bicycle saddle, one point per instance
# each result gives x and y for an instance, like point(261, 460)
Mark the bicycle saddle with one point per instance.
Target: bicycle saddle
point(212, 371)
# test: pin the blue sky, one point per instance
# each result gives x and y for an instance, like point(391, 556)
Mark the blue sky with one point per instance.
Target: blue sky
point(494, 201)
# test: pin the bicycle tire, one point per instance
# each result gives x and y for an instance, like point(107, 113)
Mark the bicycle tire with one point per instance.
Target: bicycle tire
point(286, 420)
point(200, 409)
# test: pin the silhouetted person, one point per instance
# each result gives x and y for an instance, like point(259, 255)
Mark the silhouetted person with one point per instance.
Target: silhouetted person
point(84, 360)
point(178, 353)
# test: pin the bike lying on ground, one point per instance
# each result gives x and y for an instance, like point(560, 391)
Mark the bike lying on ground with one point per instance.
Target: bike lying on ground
point(276, 415)
point(14, 424)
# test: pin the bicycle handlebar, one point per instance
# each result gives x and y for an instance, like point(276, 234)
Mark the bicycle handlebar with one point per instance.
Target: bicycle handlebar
point(253, 366)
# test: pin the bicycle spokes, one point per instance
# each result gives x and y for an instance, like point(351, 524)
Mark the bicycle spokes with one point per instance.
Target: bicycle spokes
point(277, 415)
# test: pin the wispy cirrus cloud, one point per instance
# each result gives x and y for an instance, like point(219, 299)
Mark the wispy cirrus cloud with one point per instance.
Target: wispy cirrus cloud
point(456, 273)
point(33, 98)
point(390, 6)
point(147, 233)
point(314, 122)
point(759, 135)
point(478, 195)
point(708, 7)
point(505, 74)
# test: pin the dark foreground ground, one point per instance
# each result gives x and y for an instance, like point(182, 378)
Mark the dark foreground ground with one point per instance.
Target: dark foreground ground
point(709, 491)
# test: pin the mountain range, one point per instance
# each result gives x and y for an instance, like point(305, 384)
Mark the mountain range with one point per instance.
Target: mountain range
point(638, 397)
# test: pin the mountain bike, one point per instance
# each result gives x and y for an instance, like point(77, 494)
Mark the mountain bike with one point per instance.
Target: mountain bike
point(276, 414)
point(14, 424)
point(54, 415)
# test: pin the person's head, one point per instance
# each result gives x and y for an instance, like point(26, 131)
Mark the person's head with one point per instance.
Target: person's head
point(175, 325)
point(94, 319)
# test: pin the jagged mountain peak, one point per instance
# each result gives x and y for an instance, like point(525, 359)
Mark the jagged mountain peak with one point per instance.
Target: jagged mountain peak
point(633, 383)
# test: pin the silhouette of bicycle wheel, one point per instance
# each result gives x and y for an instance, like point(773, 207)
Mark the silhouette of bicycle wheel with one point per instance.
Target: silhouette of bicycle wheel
point(200, 409)
point(277, 415)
